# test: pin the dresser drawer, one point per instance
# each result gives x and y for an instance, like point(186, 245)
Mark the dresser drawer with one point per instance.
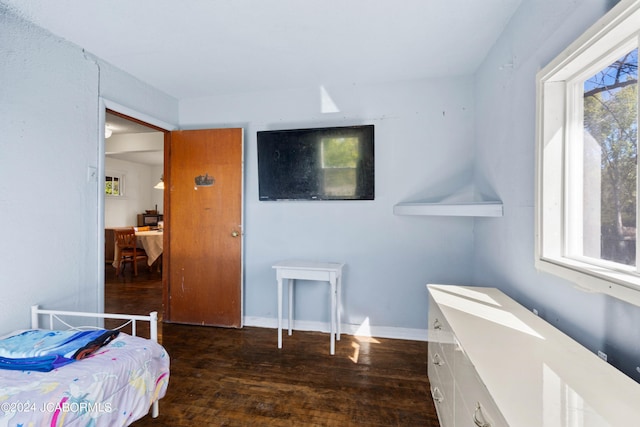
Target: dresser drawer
point(442, 386)
point(440, 335)
point(444, 406)
point(474, 405)
point(480, 412)
point(439, 371)
point(439, 329)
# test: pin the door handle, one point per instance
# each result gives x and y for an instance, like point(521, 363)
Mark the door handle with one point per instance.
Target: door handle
point(234, 233)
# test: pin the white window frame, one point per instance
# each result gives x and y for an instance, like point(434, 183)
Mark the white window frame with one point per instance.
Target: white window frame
point(559, 120)
point(121, 185)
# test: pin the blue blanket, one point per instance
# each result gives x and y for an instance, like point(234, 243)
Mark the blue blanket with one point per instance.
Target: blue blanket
point(41, 350)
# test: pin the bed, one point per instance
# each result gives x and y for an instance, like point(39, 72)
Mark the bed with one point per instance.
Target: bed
point(114, 385)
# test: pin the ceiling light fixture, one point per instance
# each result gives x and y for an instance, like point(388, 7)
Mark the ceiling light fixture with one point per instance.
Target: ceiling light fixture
point(160, 185)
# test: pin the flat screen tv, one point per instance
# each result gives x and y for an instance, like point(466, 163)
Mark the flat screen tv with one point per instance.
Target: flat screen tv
point(331, 163)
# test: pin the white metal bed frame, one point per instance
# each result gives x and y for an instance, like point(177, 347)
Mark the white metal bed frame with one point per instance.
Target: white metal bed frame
point(132, 319)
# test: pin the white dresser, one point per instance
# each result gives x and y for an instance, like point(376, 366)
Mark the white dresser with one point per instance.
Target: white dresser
point(493, 363)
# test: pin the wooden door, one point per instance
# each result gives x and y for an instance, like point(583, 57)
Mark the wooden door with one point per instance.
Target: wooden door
point(204, 184)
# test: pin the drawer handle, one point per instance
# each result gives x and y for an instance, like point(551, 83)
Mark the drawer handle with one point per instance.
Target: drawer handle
point(437, 395)
point(475, 417)
point(437, 360)
point(437, 324)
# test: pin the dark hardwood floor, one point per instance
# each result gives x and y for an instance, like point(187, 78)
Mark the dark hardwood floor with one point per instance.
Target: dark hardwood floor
point(238, 377)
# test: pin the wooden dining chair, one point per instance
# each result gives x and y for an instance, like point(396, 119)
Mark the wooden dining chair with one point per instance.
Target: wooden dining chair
point(129, 252)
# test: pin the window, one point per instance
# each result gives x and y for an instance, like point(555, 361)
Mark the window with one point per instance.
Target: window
point(114, 185)
point(587, 168)
point(608, 163)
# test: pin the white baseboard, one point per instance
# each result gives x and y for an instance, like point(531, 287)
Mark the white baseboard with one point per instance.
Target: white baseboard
point(348, 329)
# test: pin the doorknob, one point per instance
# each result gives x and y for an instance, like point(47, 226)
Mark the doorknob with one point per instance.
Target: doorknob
point(234, 233)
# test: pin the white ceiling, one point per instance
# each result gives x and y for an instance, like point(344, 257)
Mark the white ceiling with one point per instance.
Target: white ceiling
point(199, 48)
point(150, 158)
point(119, 125)
point(131, 153)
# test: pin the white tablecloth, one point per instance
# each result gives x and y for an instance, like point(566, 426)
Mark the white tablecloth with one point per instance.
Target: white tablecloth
point(151, 242)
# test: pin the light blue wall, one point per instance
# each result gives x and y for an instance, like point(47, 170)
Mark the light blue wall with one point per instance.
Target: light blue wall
point(49, 216)
point(425, 134)
point(505, 153)
point(423, 145)
point(50, 122)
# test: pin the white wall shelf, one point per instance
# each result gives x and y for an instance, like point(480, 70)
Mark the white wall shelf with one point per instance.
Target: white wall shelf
point(465, 201)
point(475, 209)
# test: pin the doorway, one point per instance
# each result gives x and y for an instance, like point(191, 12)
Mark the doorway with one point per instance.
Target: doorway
point(203, 232)
point(133, 166)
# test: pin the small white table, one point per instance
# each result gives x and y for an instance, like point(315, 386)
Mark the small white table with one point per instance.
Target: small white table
point(330, 272)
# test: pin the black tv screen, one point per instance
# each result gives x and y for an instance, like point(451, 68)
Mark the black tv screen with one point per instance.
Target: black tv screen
point(333, 163)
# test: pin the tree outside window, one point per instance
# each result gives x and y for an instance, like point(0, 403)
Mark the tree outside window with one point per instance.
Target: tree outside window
point(611, 120)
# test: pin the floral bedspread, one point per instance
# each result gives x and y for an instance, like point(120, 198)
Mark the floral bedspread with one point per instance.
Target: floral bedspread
point(114, 386)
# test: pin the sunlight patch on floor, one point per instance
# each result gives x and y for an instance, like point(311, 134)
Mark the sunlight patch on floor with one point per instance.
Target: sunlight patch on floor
point(364, 338)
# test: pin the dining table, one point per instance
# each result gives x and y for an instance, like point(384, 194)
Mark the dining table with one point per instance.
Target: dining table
point(151, 242)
